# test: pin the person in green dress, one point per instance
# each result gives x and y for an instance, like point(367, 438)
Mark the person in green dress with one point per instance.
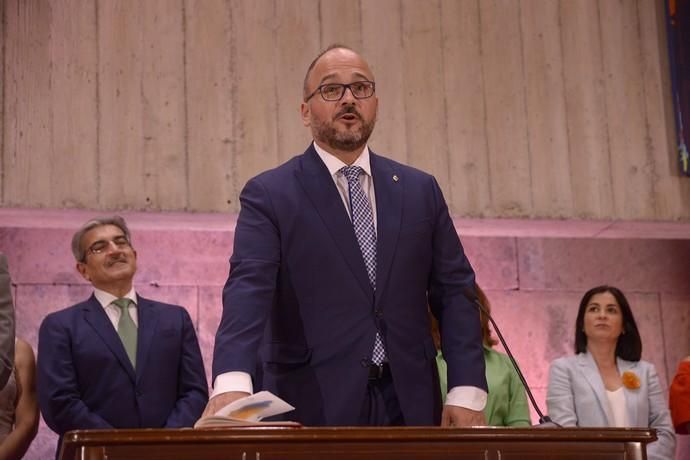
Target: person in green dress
point(507, 402)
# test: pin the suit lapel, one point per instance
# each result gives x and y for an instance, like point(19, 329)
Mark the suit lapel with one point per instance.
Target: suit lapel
point(95, 316)
point(591, 373)
point(147, 315)
point(322, 192)
point(389, 194)
point(631, 395)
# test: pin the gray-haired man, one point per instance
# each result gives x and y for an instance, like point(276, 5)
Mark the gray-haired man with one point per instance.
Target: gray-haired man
point(117, 360)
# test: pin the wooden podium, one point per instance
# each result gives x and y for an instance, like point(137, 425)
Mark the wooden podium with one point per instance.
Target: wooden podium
point(409, 443)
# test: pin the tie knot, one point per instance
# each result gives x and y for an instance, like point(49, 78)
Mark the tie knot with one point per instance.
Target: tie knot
point(351, 173)
point(122, 304)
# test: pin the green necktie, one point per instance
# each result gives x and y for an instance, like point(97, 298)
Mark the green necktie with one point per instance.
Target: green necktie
point(127, 330)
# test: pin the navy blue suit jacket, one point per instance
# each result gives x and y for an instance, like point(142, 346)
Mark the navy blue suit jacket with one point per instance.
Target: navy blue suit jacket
point(299, 309)
point(86, 381)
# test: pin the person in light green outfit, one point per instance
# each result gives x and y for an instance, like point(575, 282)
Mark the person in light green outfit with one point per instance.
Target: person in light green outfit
point(507, 402)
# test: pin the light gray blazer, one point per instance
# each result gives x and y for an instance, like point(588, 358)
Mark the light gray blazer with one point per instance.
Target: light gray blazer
point(6, 323)
point(576, 396)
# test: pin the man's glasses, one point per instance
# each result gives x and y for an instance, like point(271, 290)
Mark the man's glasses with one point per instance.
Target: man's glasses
point(335, 91)
point(100, 246)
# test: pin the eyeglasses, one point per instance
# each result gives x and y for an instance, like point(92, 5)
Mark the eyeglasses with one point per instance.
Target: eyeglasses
point(100, 246)
point(335, 91)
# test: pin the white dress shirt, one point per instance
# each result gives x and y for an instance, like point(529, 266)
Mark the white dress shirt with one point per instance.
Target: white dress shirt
point(106, 300)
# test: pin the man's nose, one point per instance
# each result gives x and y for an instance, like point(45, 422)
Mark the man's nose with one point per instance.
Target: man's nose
point(348, 96)
point(113, 247)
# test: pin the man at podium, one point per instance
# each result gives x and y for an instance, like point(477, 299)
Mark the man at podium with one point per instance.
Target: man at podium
point(336, 254)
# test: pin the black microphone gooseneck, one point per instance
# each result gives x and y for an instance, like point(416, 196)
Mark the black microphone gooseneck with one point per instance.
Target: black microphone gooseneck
point(544, 420)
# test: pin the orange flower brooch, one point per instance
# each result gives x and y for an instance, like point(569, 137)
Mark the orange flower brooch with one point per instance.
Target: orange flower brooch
point(630, 380)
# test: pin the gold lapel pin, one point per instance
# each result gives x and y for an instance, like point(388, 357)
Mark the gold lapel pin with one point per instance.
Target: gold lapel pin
point(395, 178)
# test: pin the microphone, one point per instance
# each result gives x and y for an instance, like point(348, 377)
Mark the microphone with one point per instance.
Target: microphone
point(544, 420)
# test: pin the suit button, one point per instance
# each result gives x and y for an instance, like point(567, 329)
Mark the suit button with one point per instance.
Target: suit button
point(379, 313)
point(364, 362)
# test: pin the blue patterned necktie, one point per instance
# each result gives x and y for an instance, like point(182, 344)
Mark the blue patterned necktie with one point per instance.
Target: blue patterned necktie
point(363, 222)
point(127, 330)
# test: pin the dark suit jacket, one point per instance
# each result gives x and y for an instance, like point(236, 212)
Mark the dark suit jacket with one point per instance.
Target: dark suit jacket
point(298, 304)
point(86, 381)
point(6, 323)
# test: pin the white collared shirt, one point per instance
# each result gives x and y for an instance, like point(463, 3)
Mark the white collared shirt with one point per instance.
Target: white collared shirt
point(106, 300)
point(334, 164)
point(618, 407)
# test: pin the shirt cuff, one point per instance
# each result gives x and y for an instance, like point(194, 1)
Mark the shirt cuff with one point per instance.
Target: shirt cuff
point(232, 381)
point(472, 398)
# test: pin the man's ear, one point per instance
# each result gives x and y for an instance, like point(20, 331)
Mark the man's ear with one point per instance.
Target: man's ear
point(81, 268)
point(306, 113)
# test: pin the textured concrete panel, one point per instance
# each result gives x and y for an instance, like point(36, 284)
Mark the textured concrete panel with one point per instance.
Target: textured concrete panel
point(573, 228)
point(538, 327)
point(210, 310)
point(578, 264)
point(40, 255)
point(647, 311)
point(540, 397)
point(676, 329)
point(183, 257)
point(494, 261)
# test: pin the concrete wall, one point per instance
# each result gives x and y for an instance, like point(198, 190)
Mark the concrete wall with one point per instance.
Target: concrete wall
point(534, 272)
point(520, 108)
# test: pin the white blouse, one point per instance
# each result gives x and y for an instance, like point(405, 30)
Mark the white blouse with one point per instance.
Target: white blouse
point(617, 407)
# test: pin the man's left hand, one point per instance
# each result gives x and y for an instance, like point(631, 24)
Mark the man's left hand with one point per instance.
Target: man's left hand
point(460, 416)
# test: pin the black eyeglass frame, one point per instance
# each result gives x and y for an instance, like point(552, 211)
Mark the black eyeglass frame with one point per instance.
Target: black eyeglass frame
point(345, 87)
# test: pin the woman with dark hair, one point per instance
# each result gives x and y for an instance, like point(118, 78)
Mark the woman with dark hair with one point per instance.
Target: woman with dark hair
point(506, 403)
point(606, 383)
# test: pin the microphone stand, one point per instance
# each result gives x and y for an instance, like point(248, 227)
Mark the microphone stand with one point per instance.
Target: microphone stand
point(544, 420)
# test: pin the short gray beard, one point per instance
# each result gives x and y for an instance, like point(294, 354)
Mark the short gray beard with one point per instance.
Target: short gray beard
point(347, 141)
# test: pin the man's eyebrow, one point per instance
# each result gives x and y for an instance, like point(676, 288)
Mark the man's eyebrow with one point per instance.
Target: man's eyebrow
point(359, 74)
point(104, 240)
point(333, 75)
point(326, 77)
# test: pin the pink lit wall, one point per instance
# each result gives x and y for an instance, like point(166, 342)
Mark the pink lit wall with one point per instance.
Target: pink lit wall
point(534, 272)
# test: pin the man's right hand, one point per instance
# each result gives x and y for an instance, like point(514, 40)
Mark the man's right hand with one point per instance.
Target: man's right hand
point(219, 401)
